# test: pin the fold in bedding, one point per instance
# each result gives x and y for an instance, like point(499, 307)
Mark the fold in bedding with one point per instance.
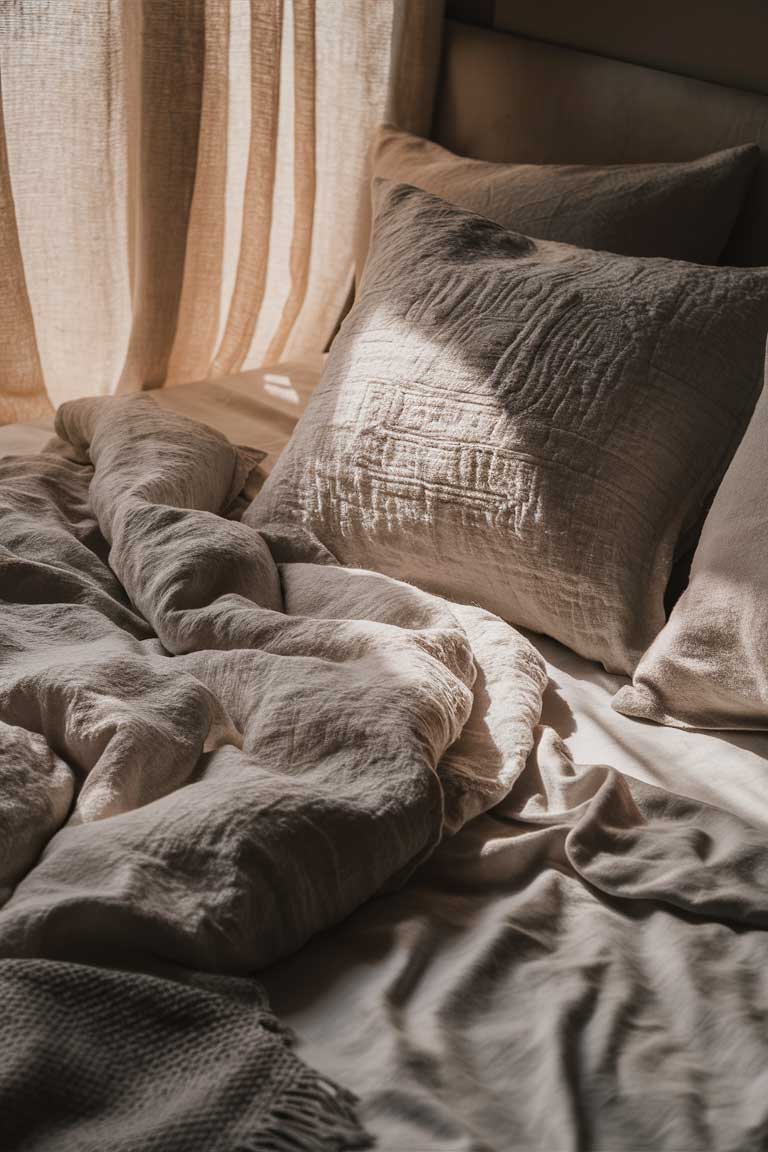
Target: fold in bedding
point(586, 967)
point(254, 748)
point(216, 743)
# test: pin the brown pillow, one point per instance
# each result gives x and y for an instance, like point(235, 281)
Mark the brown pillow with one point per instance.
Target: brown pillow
point(524, 425)
point(684, 211)
point(708, 668)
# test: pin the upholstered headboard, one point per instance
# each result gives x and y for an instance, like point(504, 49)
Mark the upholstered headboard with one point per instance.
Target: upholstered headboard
point(597, 83)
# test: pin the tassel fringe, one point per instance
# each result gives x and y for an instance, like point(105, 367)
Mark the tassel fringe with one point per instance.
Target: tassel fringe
point(314, 1115)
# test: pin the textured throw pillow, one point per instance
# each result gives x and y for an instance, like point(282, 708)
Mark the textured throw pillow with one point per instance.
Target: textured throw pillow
point(524, 425)
point(708, 668)
point(684, 211)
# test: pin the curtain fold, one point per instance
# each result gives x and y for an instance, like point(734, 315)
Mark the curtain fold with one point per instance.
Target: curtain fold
point(166, 116)
point(22, 391)
point(67, 76)
point(180, 180)
point(199, 309)
point(265, 46)
point(304, 181)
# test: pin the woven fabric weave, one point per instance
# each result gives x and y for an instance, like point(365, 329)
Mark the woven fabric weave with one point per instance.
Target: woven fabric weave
point(98, 1059)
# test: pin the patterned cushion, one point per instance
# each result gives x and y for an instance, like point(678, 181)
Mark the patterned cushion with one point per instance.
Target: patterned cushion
point(523, 424)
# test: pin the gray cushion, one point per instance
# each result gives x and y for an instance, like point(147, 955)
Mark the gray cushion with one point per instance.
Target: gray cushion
point(684, 210)
point(708, 667)
point(522, 424)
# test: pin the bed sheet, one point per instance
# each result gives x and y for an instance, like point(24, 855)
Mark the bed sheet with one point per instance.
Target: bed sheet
point(726, 769)
point(401, 1003)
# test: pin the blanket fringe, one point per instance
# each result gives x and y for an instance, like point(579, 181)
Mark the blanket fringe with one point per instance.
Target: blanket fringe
point(314, 1115)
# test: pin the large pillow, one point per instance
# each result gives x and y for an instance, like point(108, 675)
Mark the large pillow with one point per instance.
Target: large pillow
point(685, 211)
point(708, 668)
point(524, 425)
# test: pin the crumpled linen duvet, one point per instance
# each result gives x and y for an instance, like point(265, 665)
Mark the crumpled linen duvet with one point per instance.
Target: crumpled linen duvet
point(215, 742)
point(250, 744)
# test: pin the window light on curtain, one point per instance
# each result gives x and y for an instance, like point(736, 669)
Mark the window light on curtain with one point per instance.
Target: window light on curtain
point(180, 180)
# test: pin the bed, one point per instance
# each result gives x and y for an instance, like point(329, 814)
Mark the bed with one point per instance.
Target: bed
point(373, 1003)
point(405, 1001)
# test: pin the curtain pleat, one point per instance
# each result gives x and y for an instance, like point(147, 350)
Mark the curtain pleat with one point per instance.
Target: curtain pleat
point(22, 390)
point(65, 67)
point(169, 120)
point(352, 75)
point(266, 36)
point(199, 308)
point(303, 172)
point(180, 181)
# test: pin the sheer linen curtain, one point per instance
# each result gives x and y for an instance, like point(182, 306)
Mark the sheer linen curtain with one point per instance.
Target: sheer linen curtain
point(180, 181)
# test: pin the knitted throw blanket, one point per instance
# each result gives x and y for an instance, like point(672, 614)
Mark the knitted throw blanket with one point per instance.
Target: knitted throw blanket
point(97, 1060)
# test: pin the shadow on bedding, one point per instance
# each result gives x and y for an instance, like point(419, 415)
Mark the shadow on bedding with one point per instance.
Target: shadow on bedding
point(585, 967)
